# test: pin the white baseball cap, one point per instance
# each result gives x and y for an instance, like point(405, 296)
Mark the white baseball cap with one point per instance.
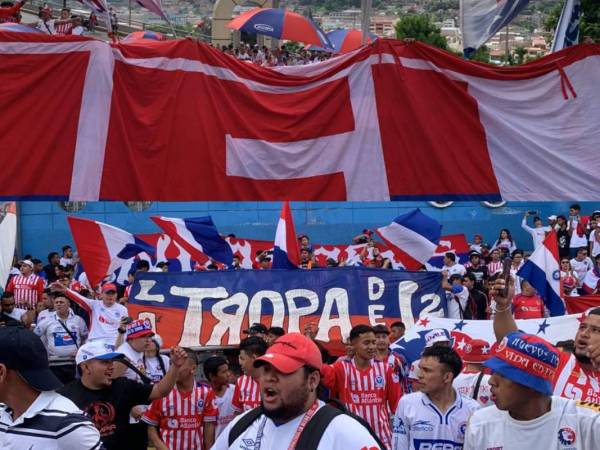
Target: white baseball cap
point(552, 217)
point(437, 335)
point(96, 350)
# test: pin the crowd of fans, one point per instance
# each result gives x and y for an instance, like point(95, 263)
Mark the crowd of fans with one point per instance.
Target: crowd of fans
point(115, 369)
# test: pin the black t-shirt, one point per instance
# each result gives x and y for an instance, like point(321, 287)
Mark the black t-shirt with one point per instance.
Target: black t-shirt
point(563, 242)
point(478, 302)
point(481, 275)
point(109, 408)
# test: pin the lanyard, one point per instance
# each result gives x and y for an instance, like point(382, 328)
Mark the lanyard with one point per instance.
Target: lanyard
point(307, 416)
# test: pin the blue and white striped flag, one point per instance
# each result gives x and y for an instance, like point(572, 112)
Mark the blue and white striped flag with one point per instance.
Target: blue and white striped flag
point(567, 30)
point(481, 19)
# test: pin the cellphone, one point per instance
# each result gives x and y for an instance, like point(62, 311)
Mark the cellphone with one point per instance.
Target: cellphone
point(532, 213)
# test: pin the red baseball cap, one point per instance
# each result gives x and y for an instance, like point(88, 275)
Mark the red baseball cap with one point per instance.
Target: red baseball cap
point(290, 352)
point(109, 287)
point(477, 352)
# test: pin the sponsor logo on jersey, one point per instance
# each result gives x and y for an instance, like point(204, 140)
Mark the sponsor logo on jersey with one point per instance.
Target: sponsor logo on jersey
point(398, 426)
point(437, 444)
point(462, 428)
point(172, 423)
point(422, 425)
point(566, 436)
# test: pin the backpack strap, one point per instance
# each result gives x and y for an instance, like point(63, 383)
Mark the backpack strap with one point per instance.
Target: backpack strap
point(313, 432)
point(242, 425)
point(477, 385)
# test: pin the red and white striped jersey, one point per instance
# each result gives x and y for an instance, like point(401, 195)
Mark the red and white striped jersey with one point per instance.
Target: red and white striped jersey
point(127, 290)
point(27, 290)
point(179, 417)
point(494, 266)
point(63, 28)
point(369, 393)
point(246, 395)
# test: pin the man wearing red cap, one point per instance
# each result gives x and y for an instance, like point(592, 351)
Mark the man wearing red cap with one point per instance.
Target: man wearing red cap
point(577, 374)
point(472, 382)
point(290, 416)
point(526, 415)
point(105, 314)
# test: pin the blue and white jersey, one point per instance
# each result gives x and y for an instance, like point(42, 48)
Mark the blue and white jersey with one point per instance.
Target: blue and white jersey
point(419, 425)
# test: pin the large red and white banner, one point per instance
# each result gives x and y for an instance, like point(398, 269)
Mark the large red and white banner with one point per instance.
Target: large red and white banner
point(179, 120)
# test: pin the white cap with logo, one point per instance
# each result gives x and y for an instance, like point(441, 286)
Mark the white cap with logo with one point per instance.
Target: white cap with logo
point(96, 350)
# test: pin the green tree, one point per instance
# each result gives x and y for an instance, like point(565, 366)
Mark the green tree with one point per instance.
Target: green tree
point(520, 53)
point(420, 28)
point(482, 55)
point(590, 19)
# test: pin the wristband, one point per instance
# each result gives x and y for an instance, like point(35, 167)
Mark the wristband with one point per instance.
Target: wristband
point(121, 331)
point(506, 308)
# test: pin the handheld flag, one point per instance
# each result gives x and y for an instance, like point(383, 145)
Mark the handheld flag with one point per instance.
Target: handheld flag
point(286, 254)
point(413, 237)
point(104, 248)
point(455, 243)
point(567, 30)
point(198, 236)
point(543, 273)
point(481, 19)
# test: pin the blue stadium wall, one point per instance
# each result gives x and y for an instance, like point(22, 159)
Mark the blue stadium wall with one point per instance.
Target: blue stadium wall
point(43, 225)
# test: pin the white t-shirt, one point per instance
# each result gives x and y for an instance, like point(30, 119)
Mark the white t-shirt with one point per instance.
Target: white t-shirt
point(225, 408)
point(465, 384)
point(537, 234)
point(455, 269)
point(581, 268)
point(16, 313)
point(104, 320)
point(46, 27)
point(343, 433)
point(576, 240)
point(595, 243)
point(454, 300)
point(56, 339)
point(153, 370)
point(136, 358)
point(569, 425)
point(418, 423)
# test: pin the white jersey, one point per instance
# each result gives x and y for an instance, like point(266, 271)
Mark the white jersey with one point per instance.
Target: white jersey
point(136, 358)
point(56, 339)
point(153, 370)
point(223, 405)
point(569, 425)
point(52, 422)
point(465, 384)
point(581, 268)
point(43, 315)
point(419, 424)
point(104, 320)
point(343, 433)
